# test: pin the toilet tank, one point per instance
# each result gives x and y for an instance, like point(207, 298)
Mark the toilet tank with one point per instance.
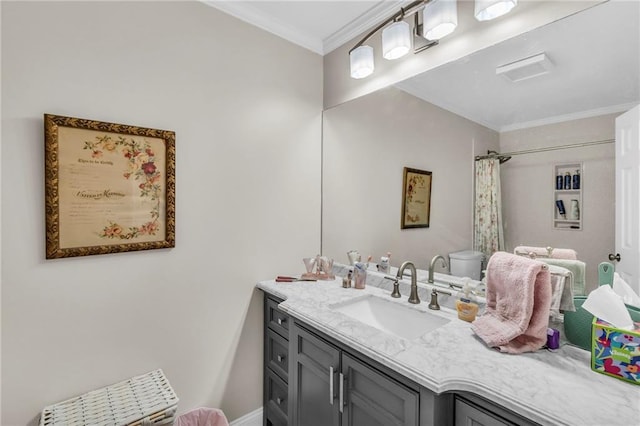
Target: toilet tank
point(467, 263)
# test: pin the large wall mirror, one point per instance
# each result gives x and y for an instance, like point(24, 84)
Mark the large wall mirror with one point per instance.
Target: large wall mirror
point(440, 120)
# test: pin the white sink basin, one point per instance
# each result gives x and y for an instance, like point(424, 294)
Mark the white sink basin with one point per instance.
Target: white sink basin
point(391, 317)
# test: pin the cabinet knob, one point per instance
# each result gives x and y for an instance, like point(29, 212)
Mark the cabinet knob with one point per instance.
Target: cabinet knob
point(281, 321)
point(279, 401)
point(281, 358)
point(614, 257)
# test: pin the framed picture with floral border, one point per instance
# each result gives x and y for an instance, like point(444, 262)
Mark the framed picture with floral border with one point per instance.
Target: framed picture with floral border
point(109, 187)
point(416, 198)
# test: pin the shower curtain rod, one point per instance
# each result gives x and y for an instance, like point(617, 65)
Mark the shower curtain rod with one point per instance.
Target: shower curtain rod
point(507, 155)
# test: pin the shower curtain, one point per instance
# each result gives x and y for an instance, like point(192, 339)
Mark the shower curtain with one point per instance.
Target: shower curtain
point(488, 232)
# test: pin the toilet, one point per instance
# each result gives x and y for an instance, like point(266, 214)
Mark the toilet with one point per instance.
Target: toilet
point(467, 263)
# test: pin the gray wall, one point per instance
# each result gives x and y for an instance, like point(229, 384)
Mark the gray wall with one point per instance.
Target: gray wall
point(528, 183)
point(246, 109)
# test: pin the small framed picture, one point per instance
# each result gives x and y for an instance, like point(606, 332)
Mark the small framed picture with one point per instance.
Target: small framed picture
point(416, 198)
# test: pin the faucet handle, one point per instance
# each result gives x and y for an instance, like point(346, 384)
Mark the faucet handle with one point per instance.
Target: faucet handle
point(434, 298)
point(396, 290)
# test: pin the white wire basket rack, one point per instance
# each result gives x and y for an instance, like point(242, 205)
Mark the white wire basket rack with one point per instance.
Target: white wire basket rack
point(146, 400)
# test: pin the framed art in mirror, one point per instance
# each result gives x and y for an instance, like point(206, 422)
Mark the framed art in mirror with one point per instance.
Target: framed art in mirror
point(416, 198)
point(109, 187)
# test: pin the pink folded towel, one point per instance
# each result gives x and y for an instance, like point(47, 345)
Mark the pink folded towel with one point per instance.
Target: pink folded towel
point(202, 417)
point(556, 253)
point(516, 317)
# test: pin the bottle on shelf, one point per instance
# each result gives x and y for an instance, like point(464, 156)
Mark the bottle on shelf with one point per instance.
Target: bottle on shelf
point(559, 182)
point(561, 210)
point(576, 180)
point(567, 180)
point(575, 210)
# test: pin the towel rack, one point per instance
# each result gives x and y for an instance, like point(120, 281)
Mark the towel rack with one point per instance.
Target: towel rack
point(533, 255)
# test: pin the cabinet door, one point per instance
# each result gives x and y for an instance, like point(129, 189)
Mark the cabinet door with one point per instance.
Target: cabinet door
point(372, 399)
point(470, 415)
point(313, 374)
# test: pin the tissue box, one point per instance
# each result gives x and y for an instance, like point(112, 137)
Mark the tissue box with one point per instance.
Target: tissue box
point(615, 352)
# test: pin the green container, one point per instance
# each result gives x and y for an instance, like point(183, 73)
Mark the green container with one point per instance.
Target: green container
point(577, 325)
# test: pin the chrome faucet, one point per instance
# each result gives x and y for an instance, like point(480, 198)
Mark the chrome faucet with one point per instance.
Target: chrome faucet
point(433, 263)
point(413, 297)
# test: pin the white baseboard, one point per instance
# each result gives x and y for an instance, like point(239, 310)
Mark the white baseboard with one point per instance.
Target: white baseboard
point(254, 418)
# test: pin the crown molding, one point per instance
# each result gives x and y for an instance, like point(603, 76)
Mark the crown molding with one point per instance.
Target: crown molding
point(243, 11)
point(364, 22)
point(569, 117)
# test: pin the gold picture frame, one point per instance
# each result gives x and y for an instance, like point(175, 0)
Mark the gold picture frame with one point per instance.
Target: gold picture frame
point(109, 187)
point(416, 198)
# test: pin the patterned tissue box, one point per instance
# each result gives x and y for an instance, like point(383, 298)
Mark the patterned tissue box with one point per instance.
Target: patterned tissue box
point(616, 352)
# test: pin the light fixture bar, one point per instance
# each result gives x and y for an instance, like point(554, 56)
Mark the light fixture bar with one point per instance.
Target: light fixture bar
point(417, 33)
point(404, 11)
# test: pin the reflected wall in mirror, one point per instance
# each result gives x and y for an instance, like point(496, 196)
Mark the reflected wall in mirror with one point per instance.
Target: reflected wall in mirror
point(366, 144)
point(421, 123)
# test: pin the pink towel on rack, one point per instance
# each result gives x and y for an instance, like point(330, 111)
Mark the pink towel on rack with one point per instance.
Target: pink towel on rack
point(556, 253)
point(202, 417)
point(516, 317)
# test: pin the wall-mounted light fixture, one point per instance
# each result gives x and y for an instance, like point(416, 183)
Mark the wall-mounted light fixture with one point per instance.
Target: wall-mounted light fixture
point(396, 40)
point(485, 10)
point(438, 19)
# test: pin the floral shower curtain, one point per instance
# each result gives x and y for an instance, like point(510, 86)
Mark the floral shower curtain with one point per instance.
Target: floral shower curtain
point(488, 232)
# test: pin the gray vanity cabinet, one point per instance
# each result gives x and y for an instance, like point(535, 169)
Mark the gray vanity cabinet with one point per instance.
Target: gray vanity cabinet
point(311, 379)
point(329, 387)
point(276, 364)
point(471, 410)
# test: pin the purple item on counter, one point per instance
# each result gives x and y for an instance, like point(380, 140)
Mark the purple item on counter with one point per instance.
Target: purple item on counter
point(553, 339)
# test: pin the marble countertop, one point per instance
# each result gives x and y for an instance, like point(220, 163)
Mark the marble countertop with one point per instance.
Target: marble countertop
point(550, 388)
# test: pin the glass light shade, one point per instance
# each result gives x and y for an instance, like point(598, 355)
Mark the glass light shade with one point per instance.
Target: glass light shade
point(396, 40)
point(486, 10)
point(440, 19)
point(361, 60)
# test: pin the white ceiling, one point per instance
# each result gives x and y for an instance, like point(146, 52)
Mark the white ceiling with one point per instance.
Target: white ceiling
point(596, 70)
point(318, 25)
point(596, 57)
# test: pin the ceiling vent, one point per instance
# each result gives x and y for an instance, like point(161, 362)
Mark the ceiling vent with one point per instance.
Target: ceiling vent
point(526, 68)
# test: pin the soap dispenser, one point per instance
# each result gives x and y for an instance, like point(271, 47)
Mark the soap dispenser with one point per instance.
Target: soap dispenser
point(467, 309)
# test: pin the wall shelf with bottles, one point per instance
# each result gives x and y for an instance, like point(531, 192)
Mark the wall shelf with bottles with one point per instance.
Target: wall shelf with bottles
point(567, 196)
